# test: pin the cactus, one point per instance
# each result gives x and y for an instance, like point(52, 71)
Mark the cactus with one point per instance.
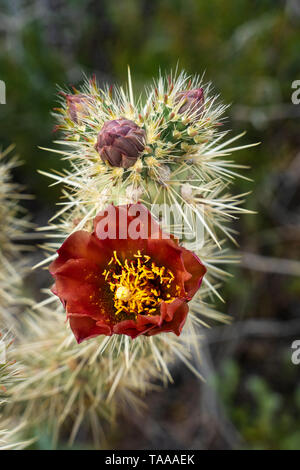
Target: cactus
point(170, 154)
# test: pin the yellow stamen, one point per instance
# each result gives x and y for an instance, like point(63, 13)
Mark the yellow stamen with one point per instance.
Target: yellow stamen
point(138, 288)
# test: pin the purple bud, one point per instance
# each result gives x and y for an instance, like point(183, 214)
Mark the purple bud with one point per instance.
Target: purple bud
point(192, 101)
point(120, 142)
point(77, 106)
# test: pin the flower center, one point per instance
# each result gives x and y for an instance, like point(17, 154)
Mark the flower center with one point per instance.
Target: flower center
point(138, 285)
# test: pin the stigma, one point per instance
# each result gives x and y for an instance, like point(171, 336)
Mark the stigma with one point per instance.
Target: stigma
point(122, 293)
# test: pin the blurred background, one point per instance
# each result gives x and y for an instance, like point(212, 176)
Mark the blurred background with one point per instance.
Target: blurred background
point(250, 50)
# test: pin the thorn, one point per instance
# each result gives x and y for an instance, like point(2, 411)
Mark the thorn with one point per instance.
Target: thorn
point(56, 128)
point(93, 79)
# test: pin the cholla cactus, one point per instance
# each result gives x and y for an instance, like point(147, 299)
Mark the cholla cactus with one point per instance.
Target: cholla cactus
point(10, 436)
point(182, 163)
point(12, 216)
point(10, 374)
point(13, 222)
point(9, 370)
point(180, 154)
point(69, 385)
point(168, 150)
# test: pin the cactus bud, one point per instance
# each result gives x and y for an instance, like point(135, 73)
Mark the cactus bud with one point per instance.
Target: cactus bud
point(192, 101)
point(120, 142)
point(77, 106)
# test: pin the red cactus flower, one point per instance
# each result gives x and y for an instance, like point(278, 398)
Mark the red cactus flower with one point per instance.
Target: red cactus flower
point(120, 142)
point(114, 282)
point(77, 106)
point(192, 101)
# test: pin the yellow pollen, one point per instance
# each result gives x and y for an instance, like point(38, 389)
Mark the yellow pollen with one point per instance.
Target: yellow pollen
point(138, 286)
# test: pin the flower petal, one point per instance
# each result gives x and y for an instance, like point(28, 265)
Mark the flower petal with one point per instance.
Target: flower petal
point(85, 327)
point(82, 288)
point(174, 315)
point(81, 244)
point(129, 328)
point(197, 271)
